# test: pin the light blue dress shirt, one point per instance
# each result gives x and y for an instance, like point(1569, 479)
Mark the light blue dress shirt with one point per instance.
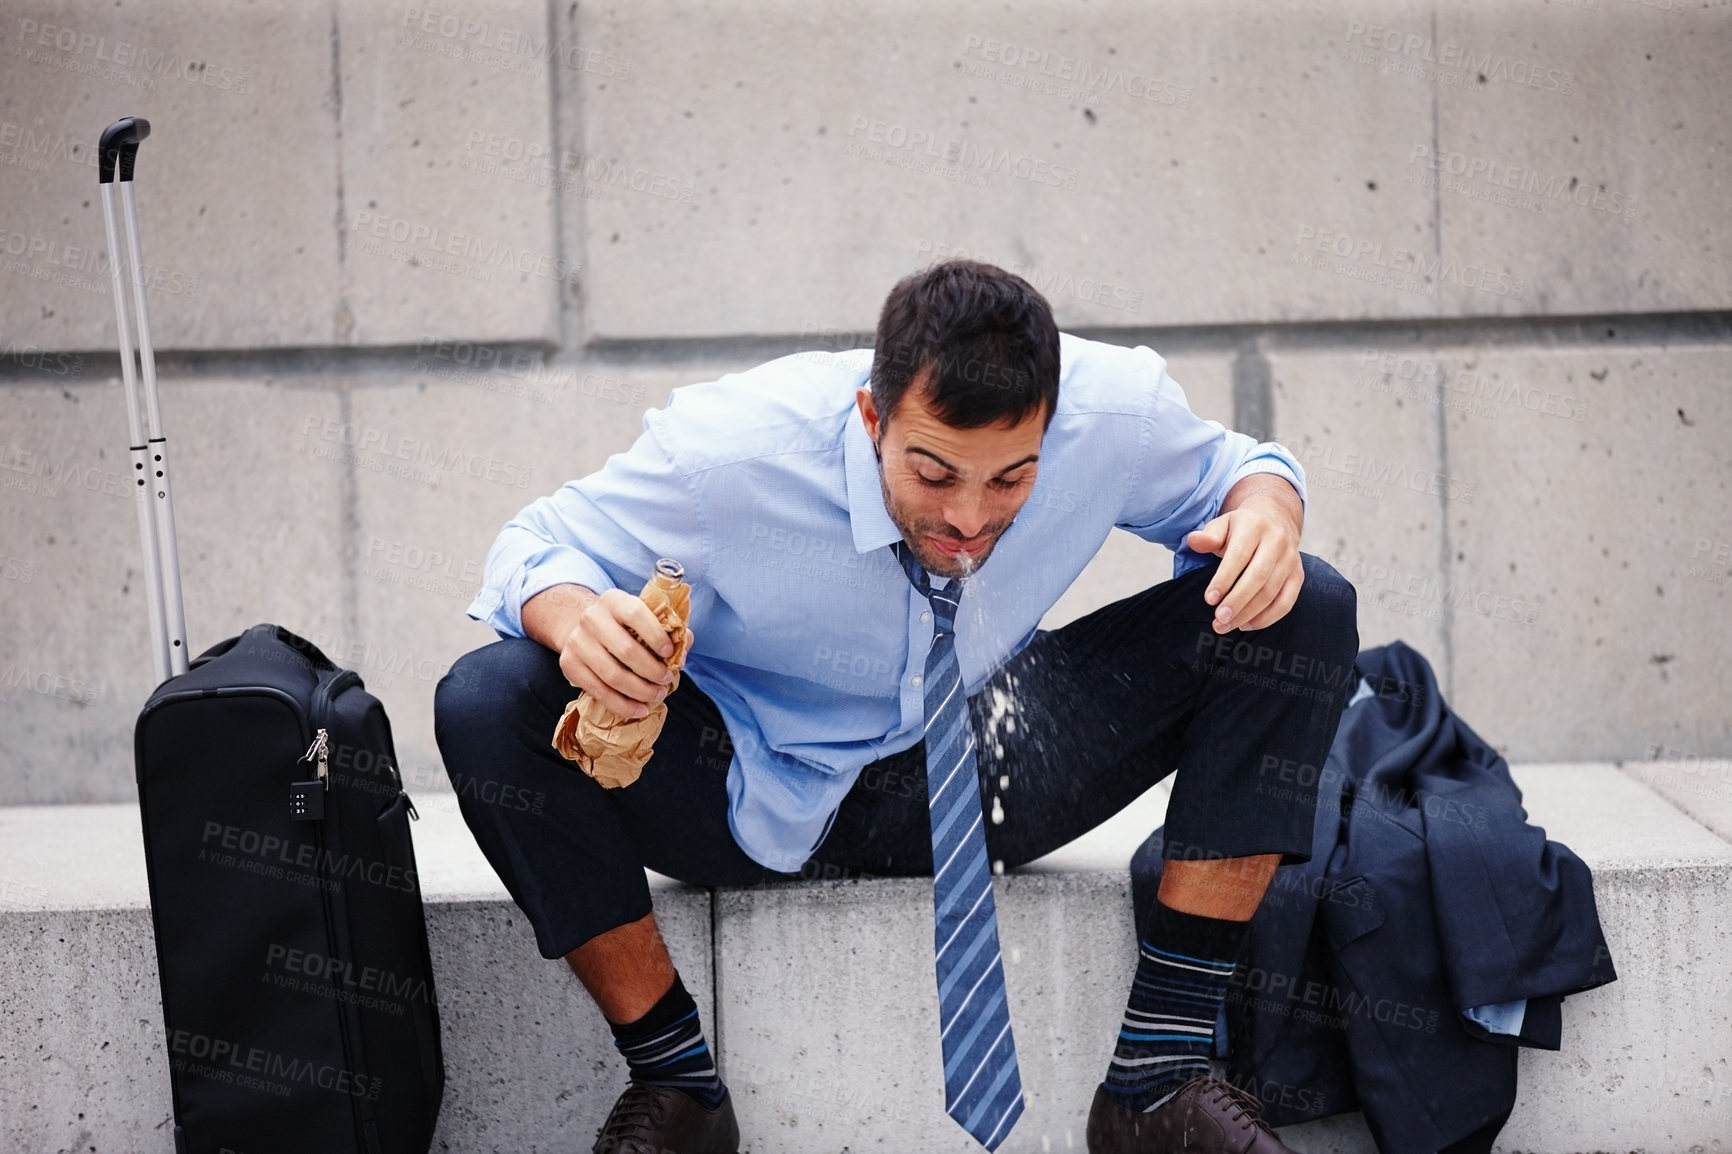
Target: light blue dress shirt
point(808, 636)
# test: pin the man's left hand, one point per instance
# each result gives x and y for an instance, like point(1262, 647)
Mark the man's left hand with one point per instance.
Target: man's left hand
point(1257, 538)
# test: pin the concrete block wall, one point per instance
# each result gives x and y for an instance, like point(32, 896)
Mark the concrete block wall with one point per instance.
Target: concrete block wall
point(414, 265)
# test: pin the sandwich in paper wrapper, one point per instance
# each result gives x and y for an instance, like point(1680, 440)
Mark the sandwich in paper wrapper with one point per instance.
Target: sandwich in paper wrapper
point(613, 749)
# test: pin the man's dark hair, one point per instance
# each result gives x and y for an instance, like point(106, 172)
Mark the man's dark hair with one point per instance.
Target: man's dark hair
point(987, 336)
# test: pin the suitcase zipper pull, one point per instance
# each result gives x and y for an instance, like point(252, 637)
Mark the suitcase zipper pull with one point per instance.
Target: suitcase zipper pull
point(320, 749)
point(307, 798)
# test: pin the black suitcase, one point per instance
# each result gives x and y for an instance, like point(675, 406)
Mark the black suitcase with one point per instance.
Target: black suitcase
point(297, 986)
point(297, 989)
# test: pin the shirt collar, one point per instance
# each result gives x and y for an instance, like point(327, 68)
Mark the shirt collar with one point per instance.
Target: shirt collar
point(873, 528)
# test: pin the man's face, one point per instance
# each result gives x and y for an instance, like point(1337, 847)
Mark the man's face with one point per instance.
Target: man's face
point(953, 492)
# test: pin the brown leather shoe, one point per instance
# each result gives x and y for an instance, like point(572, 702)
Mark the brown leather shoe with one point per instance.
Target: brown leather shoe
point(664, 1120)
point(1206, 1116)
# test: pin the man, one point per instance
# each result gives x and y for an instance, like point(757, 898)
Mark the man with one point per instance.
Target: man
point(871, 542)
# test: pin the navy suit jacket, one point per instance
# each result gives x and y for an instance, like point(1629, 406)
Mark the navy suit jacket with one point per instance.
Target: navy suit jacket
point(1427, 893)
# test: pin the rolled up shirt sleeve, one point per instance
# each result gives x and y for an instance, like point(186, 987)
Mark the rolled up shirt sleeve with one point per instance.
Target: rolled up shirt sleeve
point(1186, 466)
point(603, 532)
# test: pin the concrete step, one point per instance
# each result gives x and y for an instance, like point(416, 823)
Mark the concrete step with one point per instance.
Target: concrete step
point(819, 994)
point(529, 1061)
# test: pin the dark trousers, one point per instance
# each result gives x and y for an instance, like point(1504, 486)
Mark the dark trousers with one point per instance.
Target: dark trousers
point(1070, 731)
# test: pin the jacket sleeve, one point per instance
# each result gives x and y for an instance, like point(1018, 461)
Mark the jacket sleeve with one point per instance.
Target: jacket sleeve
point(604, 532)
point(1187, 465)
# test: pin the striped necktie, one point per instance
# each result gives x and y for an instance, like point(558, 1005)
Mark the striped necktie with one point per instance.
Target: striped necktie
point(982, 1088)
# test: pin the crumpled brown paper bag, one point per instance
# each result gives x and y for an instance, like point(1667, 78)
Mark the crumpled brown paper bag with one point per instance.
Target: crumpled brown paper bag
point(613, 749)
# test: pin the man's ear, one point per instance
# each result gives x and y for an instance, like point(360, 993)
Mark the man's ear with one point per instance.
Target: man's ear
point(868, 413)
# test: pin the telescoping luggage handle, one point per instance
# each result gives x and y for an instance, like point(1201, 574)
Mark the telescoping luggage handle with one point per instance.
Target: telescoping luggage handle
point(117, 153)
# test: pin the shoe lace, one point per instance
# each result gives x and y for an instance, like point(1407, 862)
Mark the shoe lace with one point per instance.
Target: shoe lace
point(631, 1125)
point(1246, 1107)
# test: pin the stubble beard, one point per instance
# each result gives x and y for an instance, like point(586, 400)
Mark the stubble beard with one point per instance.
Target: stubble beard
point(936, 564)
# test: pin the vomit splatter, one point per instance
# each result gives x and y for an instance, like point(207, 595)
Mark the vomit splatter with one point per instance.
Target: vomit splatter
point(1001, 716)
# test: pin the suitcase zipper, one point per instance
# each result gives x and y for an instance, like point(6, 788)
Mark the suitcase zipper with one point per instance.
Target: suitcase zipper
point(320, 749)
point(336, 911)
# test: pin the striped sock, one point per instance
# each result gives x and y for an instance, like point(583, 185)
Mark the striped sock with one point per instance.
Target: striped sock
point(1169, 1024)
point(666, 1047)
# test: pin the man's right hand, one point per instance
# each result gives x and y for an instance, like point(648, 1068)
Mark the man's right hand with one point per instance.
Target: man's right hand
point(598, 653)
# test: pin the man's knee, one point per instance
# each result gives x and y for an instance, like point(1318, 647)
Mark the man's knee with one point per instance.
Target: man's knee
point(1327, 598)
point(484, 687)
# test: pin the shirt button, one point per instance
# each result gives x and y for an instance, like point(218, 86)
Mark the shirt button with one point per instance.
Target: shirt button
point(926, 616)
point(915, 680)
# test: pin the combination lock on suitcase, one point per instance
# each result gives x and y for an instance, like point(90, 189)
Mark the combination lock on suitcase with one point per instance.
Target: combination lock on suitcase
point(297, 986)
